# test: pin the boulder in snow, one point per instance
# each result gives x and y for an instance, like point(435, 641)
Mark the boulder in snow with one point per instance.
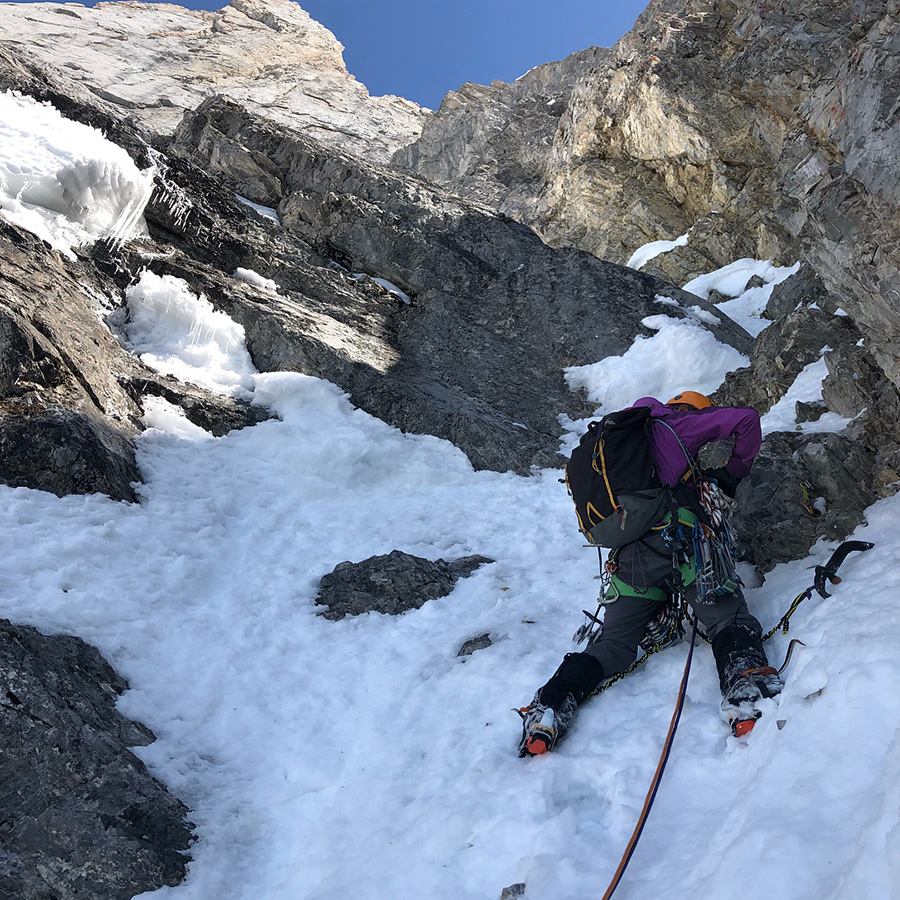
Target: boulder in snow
point(390, 584)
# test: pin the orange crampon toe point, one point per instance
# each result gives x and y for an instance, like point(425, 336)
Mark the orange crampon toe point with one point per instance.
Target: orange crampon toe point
point(743, 727)
point(537, 745)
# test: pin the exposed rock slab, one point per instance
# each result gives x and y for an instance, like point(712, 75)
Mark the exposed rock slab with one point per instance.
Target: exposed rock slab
point(495, 316)
point(766, 130)
point(81, 815)
point(390, 584)
point(155, 60)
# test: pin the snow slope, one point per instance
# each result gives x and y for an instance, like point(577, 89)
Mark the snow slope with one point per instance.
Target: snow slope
point(363, 758)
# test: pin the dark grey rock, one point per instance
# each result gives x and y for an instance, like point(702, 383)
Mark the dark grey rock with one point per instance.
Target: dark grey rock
point(514, 890)
point(754, 282)
point(781, 352)
point(809, 412)
point(482, 642)
point(66, 424)
point(81, 816)
point(390, 584)
point(803, 288)
point(775, 522)
point(495, 316)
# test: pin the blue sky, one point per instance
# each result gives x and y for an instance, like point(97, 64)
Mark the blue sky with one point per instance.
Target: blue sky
point(420, 49)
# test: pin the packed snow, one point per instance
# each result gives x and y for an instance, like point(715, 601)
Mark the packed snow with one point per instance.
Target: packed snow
point(746, 305)
point(249, 276)
point(680, 353)
point(645, 253)
point(364, 758)
point(65, 182)
point(807, 387)
point(324, 760)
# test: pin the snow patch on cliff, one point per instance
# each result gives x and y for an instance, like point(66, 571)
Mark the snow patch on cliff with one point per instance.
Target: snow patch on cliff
point(64, 181)
point(178, 333)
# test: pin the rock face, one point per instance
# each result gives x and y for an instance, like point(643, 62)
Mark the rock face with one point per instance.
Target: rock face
point(492, 144)
point(766, 130)
point(391, 584)
point(154, 61)
point(495, 315)
point(82, 817)
point(778, 516)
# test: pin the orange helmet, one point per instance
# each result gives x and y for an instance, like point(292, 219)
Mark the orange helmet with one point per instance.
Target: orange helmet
point(691, 398)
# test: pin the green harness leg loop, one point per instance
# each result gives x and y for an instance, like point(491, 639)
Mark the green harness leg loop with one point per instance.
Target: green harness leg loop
point(619, 588)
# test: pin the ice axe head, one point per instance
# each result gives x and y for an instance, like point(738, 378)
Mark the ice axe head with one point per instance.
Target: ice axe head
point(828, 572)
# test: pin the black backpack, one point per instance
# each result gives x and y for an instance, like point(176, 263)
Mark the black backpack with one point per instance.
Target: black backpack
point(613, 481)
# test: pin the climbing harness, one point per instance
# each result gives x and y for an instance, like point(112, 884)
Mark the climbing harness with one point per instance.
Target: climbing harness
point(658, 774)
point(676, 612)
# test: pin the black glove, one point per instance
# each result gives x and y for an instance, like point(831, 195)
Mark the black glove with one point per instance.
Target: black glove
point(727, 482)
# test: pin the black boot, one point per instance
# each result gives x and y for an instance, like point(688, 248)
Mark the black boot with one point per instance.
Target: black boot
point(579, 674)
point(549, 716)
point(745, 676)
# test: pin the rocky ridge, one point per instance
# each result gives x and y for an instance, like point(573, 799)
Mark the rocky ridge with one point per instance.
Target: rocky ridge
point(155, 60)
point(493, 143)
point(761, 130)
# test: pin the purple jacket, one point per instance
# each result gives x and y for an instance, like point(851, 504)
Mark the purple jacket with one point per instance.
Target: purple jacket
point(697, 427)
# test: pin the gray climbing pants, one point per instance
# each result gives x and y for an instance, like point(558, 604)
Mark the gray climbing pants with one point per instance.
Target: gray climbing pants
point(644, 565)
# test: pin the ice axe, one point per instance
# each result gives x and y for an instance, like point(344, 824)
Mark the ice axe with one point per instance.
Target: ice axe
point(828, 572)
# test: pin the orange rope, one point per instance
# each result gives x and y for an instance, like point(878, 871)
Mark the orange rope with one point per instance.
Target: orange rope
point(657, 776)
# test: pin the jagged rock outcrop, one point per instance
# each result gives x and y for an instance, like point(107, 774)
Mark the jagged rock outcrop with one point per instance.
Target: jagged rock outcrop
point(81, 815)
point(70, 392)
point(768, 130)
point(154, 61)
point(806, 486)
point(390, 584)
point(803, 487)
point(492, 143)
point(495, 315)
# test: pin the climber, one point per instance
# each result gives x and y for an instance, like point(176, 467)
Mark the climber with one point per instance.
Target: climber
point(652, 570)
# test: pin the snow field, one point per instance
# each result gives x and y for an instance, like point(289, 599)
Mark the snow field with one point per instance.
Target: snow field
point(363, 758)
point(64, 181)
point(325, 759)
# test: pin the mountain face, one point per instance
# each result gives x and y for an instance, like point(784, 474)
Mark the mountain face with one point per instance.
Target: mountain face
point(154, 61)
point(764, 130)
point(444, 268)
